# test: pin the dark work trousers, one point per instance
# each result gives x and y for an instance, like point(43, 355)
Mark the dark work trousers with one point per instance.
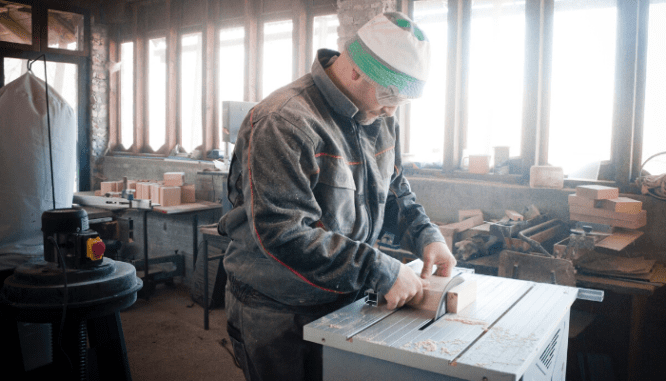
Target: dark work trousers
point(268, 339)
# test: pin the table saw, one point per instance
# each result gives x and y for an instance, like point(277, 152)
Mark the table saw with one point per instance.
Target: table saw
point(515, 330)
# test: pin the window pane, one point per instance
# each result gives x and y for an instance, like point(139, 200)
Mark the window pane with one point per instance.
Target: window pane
point(65, 30)
point(15, 23)
point(325, 33)
point(62, 77)
point(426, 122)
point(277, 60)
point(190, 91)
point(654, 128)
point(496, 76)
point(156, 93)
point(232, 72)
point(583, 70)
point(127, 94)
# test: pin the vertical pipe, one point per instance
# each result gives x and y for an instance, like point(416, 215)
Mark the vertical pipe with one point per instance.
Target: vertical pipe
point(205, 282)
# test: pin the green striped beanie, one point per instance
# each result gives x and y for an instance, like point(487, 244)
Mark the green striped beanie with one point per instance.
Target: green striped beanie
point(392, 51)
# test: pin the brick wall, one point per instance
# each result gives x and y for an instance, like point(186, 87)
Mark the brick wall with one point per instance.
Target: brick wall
point(354, 13)
point(99, 101)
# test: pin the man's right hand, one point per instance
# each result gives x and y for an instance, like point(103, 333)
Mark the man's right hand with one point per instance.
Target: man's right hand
point(408, 287)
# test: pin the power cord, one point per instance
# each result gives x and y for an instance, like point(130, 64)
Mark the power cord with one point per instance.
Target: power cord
point(64, 303)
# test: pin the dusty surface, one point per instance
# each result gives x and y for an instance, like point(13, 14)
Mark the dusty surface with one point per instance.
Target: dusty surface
point(165, 339)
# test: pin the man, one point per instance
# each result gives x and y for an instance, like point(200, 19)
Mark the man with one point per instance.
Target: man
point(315, 166)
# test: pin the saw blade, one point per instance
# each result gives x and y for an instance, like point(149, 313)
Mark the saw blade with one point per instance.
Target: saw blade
point(441, 308)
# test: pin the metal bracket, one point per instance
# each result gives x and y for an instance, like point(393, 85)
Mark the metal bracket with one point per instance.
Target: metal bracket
point(372, 298)
point(590, 294)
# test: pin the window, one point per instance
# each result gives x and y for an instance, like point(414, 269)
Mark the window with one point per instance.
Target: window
point(325, 33)
point(65, 30)
point(426, 133)
point(16, 23)
point(583, 76)
point(277, 56)
point(126, 95)
point(191, 91)
point(232, 71)
point(157, 93)
point(497, 46)
point(654, 124)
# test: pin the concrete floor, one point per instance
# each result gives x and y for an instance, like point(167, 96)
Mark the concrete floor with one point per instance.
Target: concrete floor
point(165, 339)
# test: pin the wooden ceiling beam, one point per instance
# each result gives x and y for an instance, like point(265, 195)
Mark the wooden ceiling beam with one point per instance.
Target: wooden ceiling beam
point(15, 29)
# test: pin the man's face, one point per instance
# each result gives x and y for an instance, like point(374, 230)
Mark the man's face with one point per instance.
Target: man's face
point(368, 106)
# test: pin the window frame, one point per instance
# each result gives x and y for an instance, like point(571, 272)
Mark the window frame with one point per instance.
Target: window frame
point(218, 15)
point(38, 47)
point(629, 84)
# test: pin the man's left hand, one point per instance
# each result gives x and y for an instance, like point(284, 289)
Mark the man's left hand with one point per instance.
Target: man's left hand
point(437, 253)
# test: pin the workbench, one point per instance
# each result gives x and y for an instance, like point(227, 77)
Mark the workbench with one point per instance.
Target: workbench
point(189, 211)
point(514, 329)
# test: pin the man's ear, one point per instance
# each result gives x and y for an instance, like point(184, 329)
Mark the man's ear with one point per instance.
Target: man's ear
point(355, 75)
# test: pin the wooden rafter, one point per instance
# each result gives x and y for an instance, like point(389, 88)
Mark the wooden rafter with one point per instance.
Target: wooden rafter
point(13, 28)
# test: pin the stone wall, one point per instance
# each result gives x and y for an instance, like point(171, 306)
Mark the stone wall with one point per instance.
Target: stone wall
point(354, 13)
point(99, 101)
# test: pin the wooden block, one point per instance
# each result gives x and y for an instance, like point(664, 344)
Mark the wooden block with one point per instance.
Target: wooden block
point(465, 214)
point(513, 215)
point(131, 184)
point(597, 192)
point(464, 295)
point(432, 293)
point(169, 196)
point(603, 213)
point(108, 186)
point(155, 193)
point(449, 231)
point(621, 205)
point(640, 222)
point(187, 193)
point(98, 193)
point(461, 296)
point(582, 201)
point(174, 179)
point(120, 185)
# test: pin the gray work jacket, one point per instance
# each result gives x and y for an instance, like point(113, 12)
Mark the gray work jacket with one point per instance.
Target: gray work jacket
point(309, 187)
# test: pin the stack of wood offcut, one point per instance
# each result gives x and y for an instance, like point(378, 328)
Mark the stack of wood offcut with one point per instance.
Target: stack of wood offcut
point(170, 191)
point(603, 205)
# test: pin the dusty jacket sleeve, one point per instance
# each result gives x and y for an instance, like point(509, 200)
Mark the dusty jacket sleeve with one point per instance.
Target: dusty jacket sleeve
point(415, 231)
point(278, 167)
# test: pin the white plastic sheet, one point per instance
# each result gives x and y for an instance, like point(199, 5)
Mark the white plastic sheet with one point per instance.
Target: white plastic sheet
point(25, 172)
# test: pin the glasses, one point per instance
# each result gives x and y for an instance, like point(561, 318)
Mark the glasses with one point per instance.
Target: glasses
point(389, 96)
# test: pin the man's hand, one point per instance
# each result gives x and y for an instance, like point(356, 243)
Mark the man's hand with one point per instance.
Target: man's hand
point(437, 253)
point(408, 287)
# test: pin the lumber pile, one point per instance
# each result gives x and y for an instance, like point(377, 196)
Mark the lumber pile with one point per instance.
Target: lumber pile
point(603, 205)
point(170, 191)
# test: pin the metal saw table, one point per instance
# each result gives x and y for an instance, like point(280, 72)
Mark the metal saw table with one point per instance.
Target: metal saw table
point(515, 330)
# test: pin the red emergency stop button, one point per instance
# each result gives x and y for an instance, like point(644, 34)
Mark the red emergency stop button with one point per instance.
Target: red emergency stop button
point(96, 248)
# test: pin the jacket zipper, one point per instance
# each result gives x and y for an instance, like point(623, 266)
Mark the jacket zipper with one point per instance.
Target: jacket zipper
point(365, 179)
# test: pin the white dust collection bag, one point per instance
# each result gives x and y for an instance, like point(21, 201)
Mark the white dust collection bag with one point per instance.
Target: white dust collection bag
point(25, 171)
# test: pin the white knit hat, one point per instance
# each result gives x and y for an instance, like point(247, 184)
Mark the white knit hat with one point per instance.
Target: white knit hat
point(392, 51)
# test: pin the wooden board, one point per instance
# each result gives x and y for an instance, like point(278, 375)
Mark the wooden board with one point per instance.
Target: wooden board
point(603, 213)
point(622, 205)
point(582, 201)
point(457, 298)
point(184, 208)
point(615, 223)
point(619, 239)
point(597, 192)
